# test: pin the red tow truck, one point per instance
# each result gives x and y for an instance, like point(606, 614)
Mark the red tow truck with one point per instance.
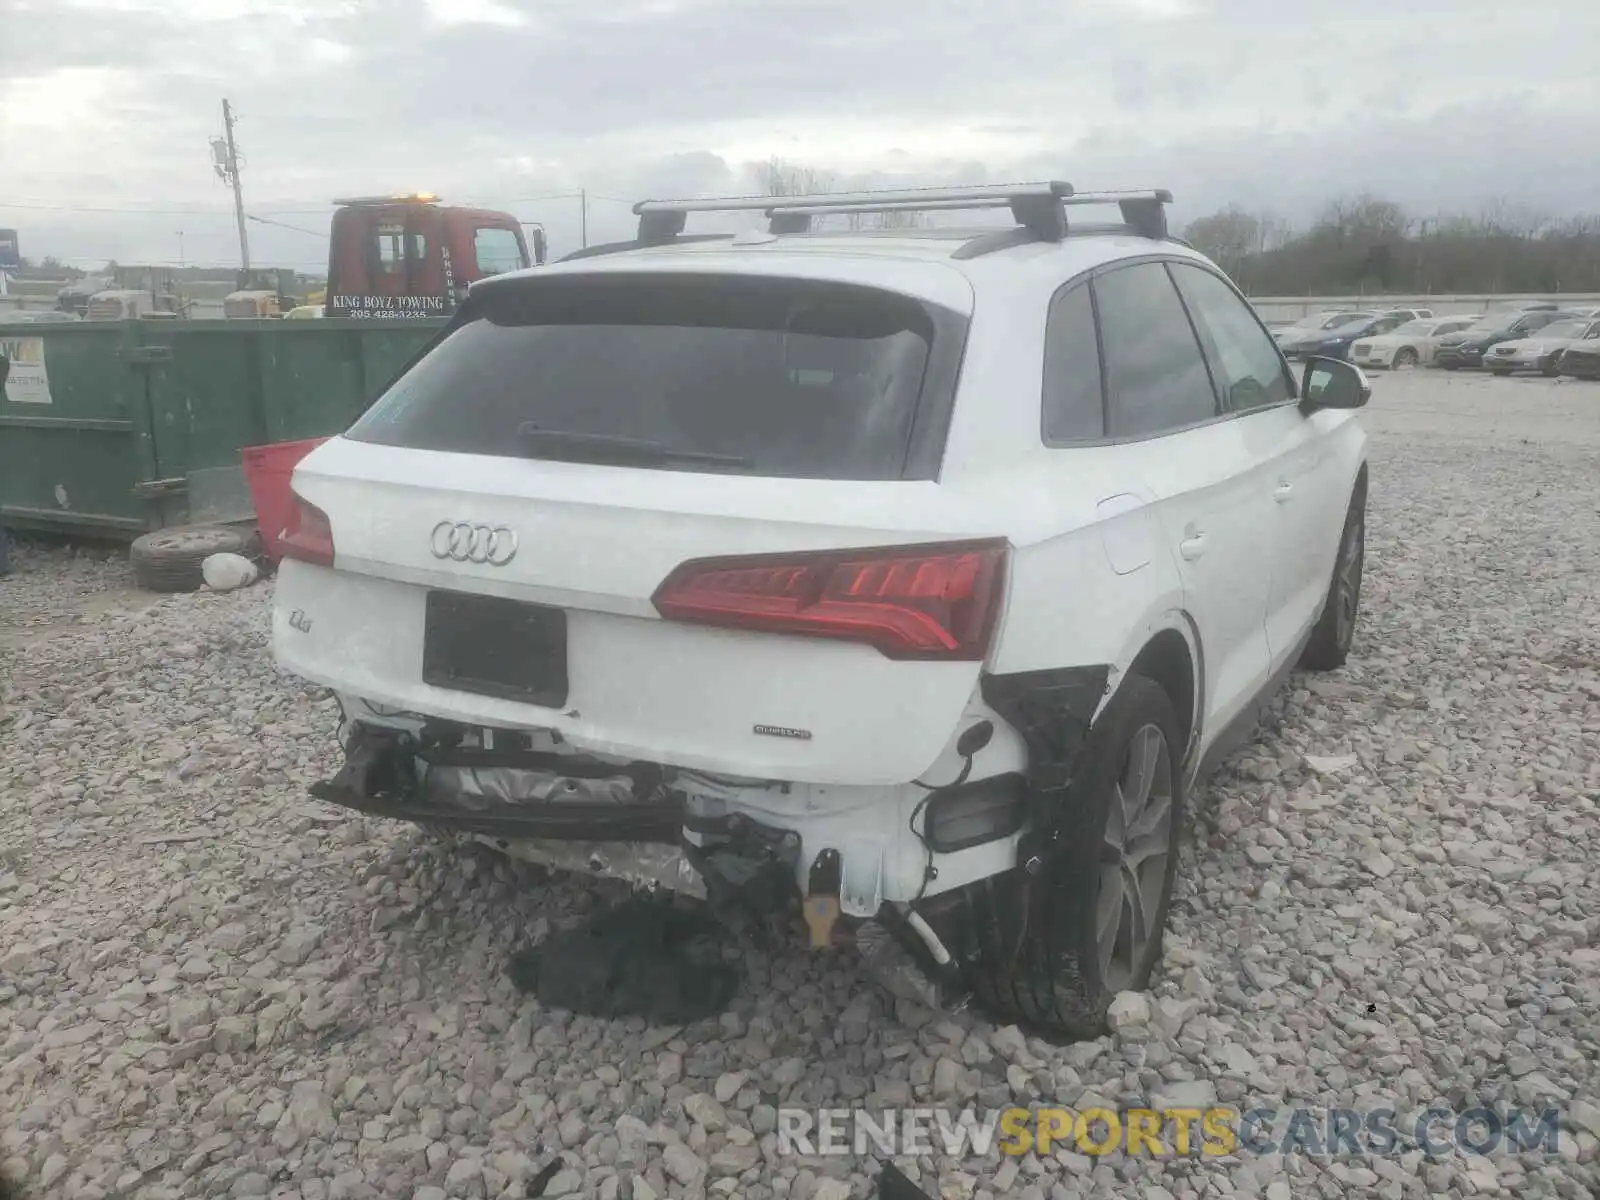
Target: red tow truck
point(408, 256)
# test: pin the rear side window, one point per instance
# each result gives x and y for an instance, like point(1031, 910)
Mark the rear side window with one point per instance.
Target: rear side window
point(692, 372)
point(1156, 378)
point(1073, 396)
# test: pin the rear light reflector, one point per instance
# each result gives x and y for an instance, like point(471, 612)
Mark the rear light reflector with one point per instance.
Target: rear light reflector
point(308, 536)
point(931, 601)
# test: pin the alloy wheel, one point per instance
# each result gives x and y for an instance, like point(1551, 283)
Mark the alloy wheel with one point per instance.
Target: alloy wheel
point(1348, 582)
point(1133, 861)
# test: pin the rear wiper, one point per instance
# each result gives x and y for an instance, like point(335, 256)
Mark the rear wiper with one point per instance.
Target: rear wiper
point(635, 449)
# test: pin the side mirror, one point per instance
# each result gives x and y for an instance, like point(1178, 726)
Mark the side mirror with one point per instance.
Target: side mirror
point(5, 373)
point(1332, 383)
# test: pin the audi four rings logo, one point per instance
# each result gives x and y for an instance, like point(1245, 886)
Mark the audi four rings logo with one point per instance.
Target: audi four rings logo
point(462, 541)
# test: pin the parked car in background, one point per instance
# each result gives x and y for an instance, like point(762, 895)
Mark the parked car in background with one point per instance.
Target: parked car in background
point(1336, 342)
point(1408, 345)
point(1467, 348)
point(305, 312)
point(1542, 350)
point(1581, 360)
point(1316, 323)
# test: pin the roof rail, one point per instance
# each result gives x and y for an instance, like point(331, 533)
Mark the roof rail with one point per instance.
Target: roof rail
point(1144, 211)
point(1035, 206)
point(1039, 209)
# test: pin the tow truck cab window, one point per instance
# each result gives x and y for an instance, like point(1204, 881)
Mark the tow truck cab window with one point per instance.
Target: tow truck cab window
point(391, 256)
point(497, 250)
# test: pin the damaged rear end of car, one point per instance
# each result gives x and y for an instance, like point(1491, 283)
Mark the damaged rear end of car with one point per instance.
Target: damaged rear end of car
point(651, 574)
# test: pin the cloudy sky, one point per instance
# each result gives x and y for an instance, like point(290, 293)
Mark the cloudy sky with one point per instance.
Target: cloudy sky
point(107, 106)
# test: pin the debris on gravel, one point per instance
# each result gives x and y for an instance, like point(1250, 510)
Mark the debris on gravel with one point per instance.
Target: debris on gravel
point(211, 986)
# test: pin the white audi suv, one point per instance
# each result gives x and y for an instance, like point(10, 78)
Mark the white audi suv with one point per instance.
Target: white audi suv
point(915, 575)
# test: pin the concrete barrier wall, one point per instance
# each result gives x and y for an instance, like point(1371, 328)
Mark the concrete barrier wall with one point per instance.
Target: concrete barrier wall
point(1284, 310)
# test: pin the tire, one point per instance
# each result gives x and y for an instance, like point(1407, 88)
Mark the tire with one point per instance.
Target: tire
point(169, 560)
point(1404, 357)
point(1029, 942)
point(1553, 367)
point(1335, 630)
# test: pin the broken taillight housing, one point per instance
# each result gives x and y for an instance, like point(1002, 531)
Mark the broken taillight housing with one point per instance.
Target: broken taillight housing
point(929, 602)
point(308, 535)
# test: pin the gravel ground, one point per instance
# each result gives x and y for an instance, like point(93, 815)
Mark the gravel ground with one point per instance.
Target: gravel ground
point(211, 986)
point(55, 584)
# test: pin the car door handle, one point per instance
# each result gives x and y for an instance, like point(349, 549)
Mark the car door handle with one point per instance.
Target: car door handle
point(1192, 547)
point(1283, 492)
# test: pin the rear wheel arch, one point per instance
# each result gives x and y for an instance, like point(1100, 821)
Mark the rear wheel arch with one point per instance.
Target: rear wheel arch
point(1168, 661)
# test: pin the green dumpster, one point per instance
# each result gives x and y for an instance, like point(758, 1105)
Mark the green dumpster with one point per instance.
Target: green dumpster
point(115, 428)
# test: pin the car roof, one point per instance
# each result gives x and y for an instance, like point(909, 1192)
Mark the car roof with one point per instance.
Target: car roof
point(920, 262)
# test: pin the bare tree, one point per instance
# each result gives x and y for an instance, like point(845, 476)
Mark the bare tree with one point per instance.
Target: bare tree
point(1369, 244)
point(779, 177)
point(1275, 233)
point(1228, 237)
point(886, 220)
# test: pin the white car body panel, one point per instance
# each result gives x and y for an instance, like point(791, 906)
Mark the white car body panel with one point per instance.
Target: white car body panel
point(1103, 539)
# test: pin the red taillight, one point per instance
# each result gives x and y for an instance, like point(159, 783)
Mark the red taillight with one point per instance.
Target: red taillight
point(908, 601)
point(308, 536)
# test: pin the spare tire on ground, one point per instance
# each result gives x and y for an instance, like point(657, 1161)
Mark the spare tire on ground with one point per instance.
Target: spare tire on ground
point(169, 560)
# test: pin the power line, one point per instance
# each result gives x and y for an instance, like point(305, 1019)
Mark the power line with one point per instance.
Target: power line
point(41, 206)
point(153, 212)
point(534, 199)
point(174, 262)
point(284, 225)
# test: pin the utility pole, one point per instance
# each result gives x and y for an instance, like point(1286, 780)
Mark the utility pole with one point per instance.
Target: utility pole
point(225, 159)
point(583, 216)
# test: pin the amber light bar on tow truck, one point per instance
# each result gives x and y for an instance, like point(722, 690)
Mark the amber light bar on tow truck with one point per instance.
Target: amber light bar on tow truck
point(910, 602)
point(403, 198)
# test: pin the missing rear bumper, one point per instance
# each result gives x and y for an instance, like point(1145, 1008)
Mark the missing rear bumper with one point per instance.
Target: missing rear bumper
point(507, 794)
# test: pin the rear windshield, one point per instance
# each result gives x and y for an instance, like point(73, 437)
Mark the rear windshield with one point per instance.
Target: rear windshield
point(769, 377)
